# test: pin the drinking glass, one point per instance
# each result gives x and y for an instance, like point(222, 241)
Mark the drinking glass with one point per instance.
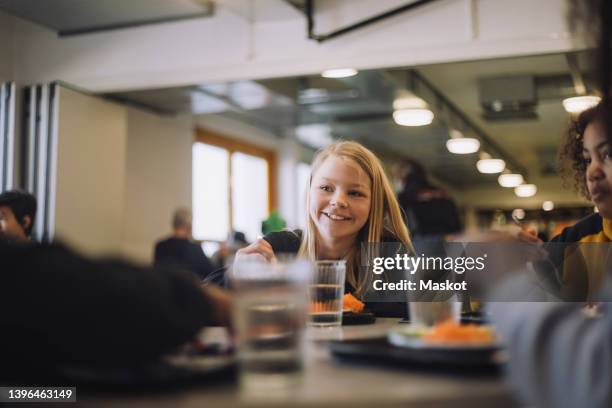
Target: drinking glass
point(269, 320)
point(326, 293)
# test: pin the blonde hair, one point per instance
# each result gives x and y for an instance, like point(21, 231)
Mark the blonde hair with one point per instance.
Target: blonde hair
point(384, 219)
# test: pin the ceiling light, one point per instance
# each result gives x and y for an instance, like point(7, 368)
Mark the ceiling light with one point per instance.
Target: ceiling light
point(490, 166)
point(339, 73)
point(578, 104)
point(409, 101)
point(525, 190)
point(463, 145)
point(548, 205)
point(510, 180)
point(413, 117)
point(518, 213)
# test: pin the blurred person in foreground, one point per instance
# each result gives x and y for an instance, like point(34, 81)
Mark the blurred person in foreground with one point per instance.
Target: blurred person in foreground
point(558, 356)
point(180, 251)
point(17, 214)
point(61, 309)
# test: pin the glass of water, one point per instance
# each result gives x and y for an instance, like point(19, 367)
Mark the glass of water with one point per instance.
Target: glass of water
point(326, 292)
point(269, 320)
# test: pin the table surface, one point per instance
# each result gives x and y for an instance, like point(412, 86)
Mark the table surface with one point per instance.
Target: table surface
point(329, 382)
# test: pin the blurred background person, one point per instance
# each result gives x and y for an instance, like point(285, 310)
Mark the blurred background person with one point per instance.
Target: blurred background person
point(17, 214)
point(224, 256)
point(179, 250)
point(429, 210)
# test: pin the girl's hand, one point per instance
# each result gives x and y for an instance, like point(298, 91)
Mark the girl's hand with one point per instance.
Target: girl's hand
point(258, 250)
point(525, 235)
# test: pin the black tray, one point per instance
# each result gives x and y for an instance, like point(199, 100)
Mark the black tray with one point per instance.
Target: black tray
point(380, 351)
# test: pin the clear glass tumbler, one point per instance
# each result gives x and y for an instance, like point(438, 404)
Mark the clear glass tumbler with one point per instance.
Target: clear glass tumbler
point(269, 319)
point(326, 292)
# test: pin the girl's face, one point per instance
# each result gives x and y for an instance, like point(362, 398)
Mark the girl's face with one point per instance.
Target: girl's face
point(598, 160)
point(340, 198)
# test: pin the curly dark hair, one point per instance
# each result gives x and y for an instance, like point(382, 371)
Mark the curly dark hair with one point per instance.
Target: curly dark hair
point(571, 161)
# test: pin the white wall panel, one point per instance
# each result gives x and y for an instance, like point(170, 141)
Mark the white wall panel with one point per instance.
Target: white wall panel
point(91, 173)
point(158, 179)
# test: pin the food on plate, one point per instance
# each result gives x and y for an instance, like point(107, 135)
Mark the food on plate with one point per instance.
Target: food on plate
point(323, 307)
point(451, 332)
point(352, 304)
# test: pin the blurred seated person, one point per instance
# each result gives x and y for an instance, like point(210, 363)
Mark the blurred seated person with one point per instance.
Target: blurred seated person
point(429, 210)
point(17, 214)
point(62, 309)
point(179, 250)
point(585, 157)
point(223, 257)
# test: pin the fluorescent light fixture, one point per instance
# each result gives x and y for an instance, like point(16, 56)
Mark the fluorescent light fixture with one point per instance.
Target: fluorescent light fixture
point(490, 166)
point(525, 190)
point(510, 180)
point(518, 213)
point(339, 73)
point(578, 104)
point(413, 117)
point(548, 205)
point(463, 145)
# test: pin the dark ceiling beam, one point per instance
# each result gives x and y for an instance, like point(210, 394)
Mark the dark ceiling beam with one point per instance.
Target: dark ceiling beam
point(208, 12)
point(310, 11)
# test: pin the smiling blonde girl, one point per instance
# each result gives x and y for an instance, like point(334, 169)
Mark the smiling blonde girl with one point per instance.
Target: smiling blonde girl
point(349, 201)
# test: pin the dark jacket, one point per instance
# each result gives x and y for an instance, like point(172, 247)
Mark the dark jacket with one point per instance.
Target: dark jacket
point(180, 253)
point(429, 211)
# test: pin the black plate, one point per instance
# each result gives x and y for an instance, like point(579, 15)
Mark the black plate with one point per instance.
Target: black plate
point(380, 351)
point(354, 319)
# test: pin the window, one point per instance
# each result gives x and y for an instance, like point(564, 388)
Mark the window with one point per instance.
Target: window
point(233, 187)
point(210, 193)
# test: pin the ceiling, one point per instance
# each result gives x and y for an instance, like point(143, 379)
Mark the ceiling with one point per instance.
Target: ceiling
point(360, 108)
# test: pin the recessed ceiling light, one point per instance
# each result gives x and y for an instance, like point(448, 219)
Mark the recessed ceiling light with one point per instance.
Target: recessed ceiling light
point(525, 190)
point(463, 145)
point(339, 73)
point(548, 205)
point(579, 104)
point(490, 166)
point(510, 180)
